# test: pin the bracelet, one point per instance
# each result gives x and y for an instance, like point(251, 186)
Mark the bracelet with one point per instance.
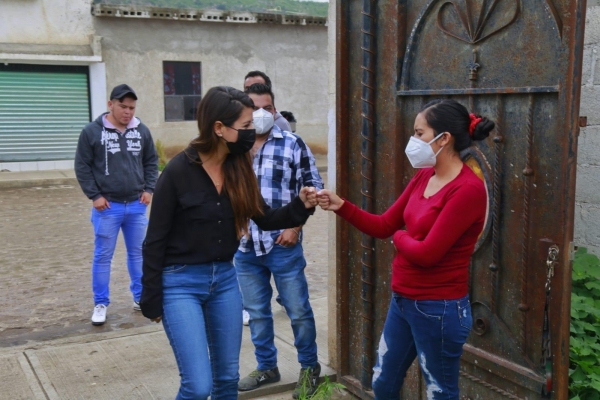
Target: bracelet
point(295, 231)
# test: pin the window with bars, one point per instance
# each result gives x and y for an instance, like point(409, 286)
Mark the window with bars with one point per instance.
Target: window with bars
point(182, 90)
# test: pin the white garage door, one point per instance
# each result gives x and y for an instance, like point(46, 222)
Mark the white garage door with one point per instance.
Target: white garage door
point(42, 114)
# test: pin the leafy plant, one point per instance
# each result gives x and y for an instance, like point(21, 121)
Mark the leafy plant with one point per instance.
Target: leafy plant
point(162, 158)
point(325, 390)
point(584, 369)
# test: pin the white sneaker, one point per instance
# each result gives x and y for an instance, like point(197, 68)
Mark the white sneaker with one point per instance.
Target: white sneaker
point(245, 317)
point(136, 306)
point(99, 316)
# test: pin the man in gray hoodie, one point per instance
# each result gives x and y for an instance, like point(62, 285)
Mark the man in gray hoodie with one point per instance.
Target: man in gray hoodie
point(117, 167)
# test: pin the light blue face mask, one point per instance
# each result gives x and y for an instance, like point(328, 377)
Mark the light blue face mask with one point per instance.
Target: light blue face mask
point(420, 154)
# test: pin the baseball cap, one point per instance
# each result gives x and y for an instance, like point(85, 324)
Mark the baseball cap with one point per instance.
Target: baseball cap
point(121, 90)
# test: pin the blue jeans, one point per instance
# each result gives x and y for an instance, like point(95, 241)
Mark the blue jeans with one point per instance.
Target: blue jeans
point(432, 330)
point(202, 316)
point(131, 218)
point(286, 264)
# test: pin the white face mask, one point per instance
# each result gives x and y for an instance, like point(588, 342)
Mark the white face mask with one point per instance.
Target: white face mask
point(420, 154)
point(263, 121)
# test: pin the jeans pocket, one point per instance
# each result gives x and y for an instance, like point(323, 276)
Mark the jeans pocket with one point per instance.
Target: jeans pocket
point(464, 314)
point(103, 225)
point(171, 269)
point(431, 308)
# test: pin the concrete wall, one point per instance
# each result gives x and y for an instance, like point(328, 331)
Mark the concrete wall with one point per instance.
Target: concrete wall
point(294, 57)
point(64, 32)
point(57, 32)
point(587, 209)
point(56, 22)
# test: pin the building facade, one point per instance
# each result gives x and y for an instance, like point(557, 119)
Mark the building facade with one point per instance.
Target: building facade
point(58, 64)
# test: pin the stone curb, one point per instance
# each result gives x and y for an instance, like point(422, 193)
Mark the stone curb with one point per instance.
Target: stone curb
point(28, 183)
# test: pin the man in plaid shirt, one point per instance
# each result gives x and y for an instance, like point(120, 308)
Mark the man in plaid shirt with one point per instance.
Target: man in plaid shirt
point(283, 164)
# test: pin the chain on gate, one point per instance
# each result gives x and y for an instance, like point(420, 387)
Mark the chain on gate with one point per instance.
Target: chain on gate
point(546, 361)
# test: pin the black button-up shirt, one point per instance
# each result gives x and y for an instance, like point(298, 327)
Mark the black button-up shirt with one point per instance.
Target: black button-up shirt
point(191, 223)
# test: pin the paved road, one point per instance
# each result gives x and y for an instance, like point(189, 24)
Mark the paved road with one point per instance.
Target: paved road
point(45, 262)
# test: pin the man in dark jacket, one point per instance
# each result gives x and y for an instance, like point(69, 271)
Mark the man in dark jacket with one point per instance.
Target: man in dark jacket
point(117, 167)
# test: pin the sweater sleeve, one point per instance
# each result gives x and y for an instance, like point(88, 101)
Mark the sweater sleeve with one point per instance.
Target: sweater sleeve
point(84, 161)
point(379, 226)
point(164, 204)
point(465, 206)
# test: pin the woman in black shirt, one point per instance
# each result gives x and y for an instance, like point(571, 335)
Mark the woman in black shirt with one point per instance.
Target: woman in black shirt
point(202, 203)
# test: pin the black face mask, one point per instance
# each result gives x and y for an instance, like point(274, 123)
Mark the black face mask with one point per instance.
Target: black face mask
point(245, 141)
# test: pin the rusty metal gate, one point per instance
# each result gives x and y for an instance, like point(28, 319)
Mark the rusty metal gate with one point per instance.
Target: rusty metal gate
point(519, 63)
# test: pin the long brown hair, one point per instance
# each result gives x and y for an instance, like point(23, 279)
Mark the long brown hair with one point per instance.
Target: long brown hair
point(225, 104)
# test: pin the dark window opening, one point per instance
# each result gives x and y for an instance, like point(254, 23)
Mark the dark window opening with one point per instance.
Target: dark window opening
point(182, 90)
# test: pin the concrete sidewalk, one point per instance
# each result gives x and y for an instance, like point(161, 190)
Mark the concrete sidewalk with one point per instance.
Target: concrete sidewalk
point(15, 180)
point(49, 348)
point(136, 364)
point(57, 177)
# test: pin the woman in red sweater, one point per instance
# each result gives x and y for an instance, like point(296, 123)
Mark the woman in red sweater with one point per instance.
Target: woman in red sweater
point(434, 224)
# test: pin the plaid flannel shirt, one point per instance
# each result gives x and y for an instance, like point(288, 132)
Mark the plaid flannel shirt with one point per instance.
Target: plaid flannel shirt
point(283, 165)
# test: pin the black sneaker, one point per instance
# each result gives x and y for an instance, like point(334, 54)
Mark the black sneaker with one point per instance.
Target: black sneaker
point(257, 378)
point(307, 382)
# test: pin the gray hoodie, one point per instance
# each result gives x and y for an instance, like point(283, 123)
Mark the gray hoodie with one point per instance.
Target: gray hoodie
point(116, 166)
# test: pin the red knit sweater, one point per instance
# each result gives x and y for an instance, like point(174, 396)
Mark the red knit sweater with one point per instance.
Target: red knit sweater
point(434, 252)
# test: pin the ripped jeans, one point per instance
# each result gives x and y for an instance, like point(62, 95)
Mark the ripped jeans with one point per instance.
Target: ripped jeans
point(432, 330)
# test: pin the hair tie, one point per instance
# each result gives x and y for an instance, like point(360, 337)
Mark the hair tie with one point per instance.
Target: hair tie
point(474, 121)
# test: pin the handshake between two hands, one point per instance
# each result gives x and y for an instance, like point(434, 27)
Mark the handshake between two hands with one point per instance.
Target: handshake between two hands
point(326, 199)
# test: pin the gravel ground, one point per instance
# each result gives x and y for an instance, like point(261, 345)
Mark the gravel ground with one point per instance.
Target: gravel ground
point(45, 264)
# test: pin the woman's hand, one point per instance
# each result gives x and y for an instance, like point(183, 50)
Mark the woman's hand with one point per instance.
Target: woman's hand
point(308, 195)
point(157, 319)
point(329, 201)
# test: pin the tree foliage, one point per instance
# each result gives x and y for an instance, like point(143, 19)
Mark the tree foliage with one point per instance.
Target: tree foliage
point(584, 370)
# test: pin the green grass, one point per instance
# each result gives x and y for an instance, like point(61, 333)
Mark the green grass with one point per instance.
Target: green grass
point(260, 6)
point(160, 152)
point(325, 391)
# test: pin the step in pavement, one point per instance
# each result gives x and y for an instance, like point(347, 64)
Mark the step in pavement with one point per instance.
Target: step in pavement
point(137, 363)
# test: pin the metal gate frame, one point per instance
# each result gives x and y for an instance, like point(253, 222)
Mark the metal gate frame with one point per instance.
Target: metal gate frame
point(383, 30)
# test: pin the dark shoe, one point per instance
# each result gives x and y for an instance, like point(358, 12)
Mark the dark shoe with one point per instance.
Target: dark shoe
point(258, 378)
point(307, 382)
